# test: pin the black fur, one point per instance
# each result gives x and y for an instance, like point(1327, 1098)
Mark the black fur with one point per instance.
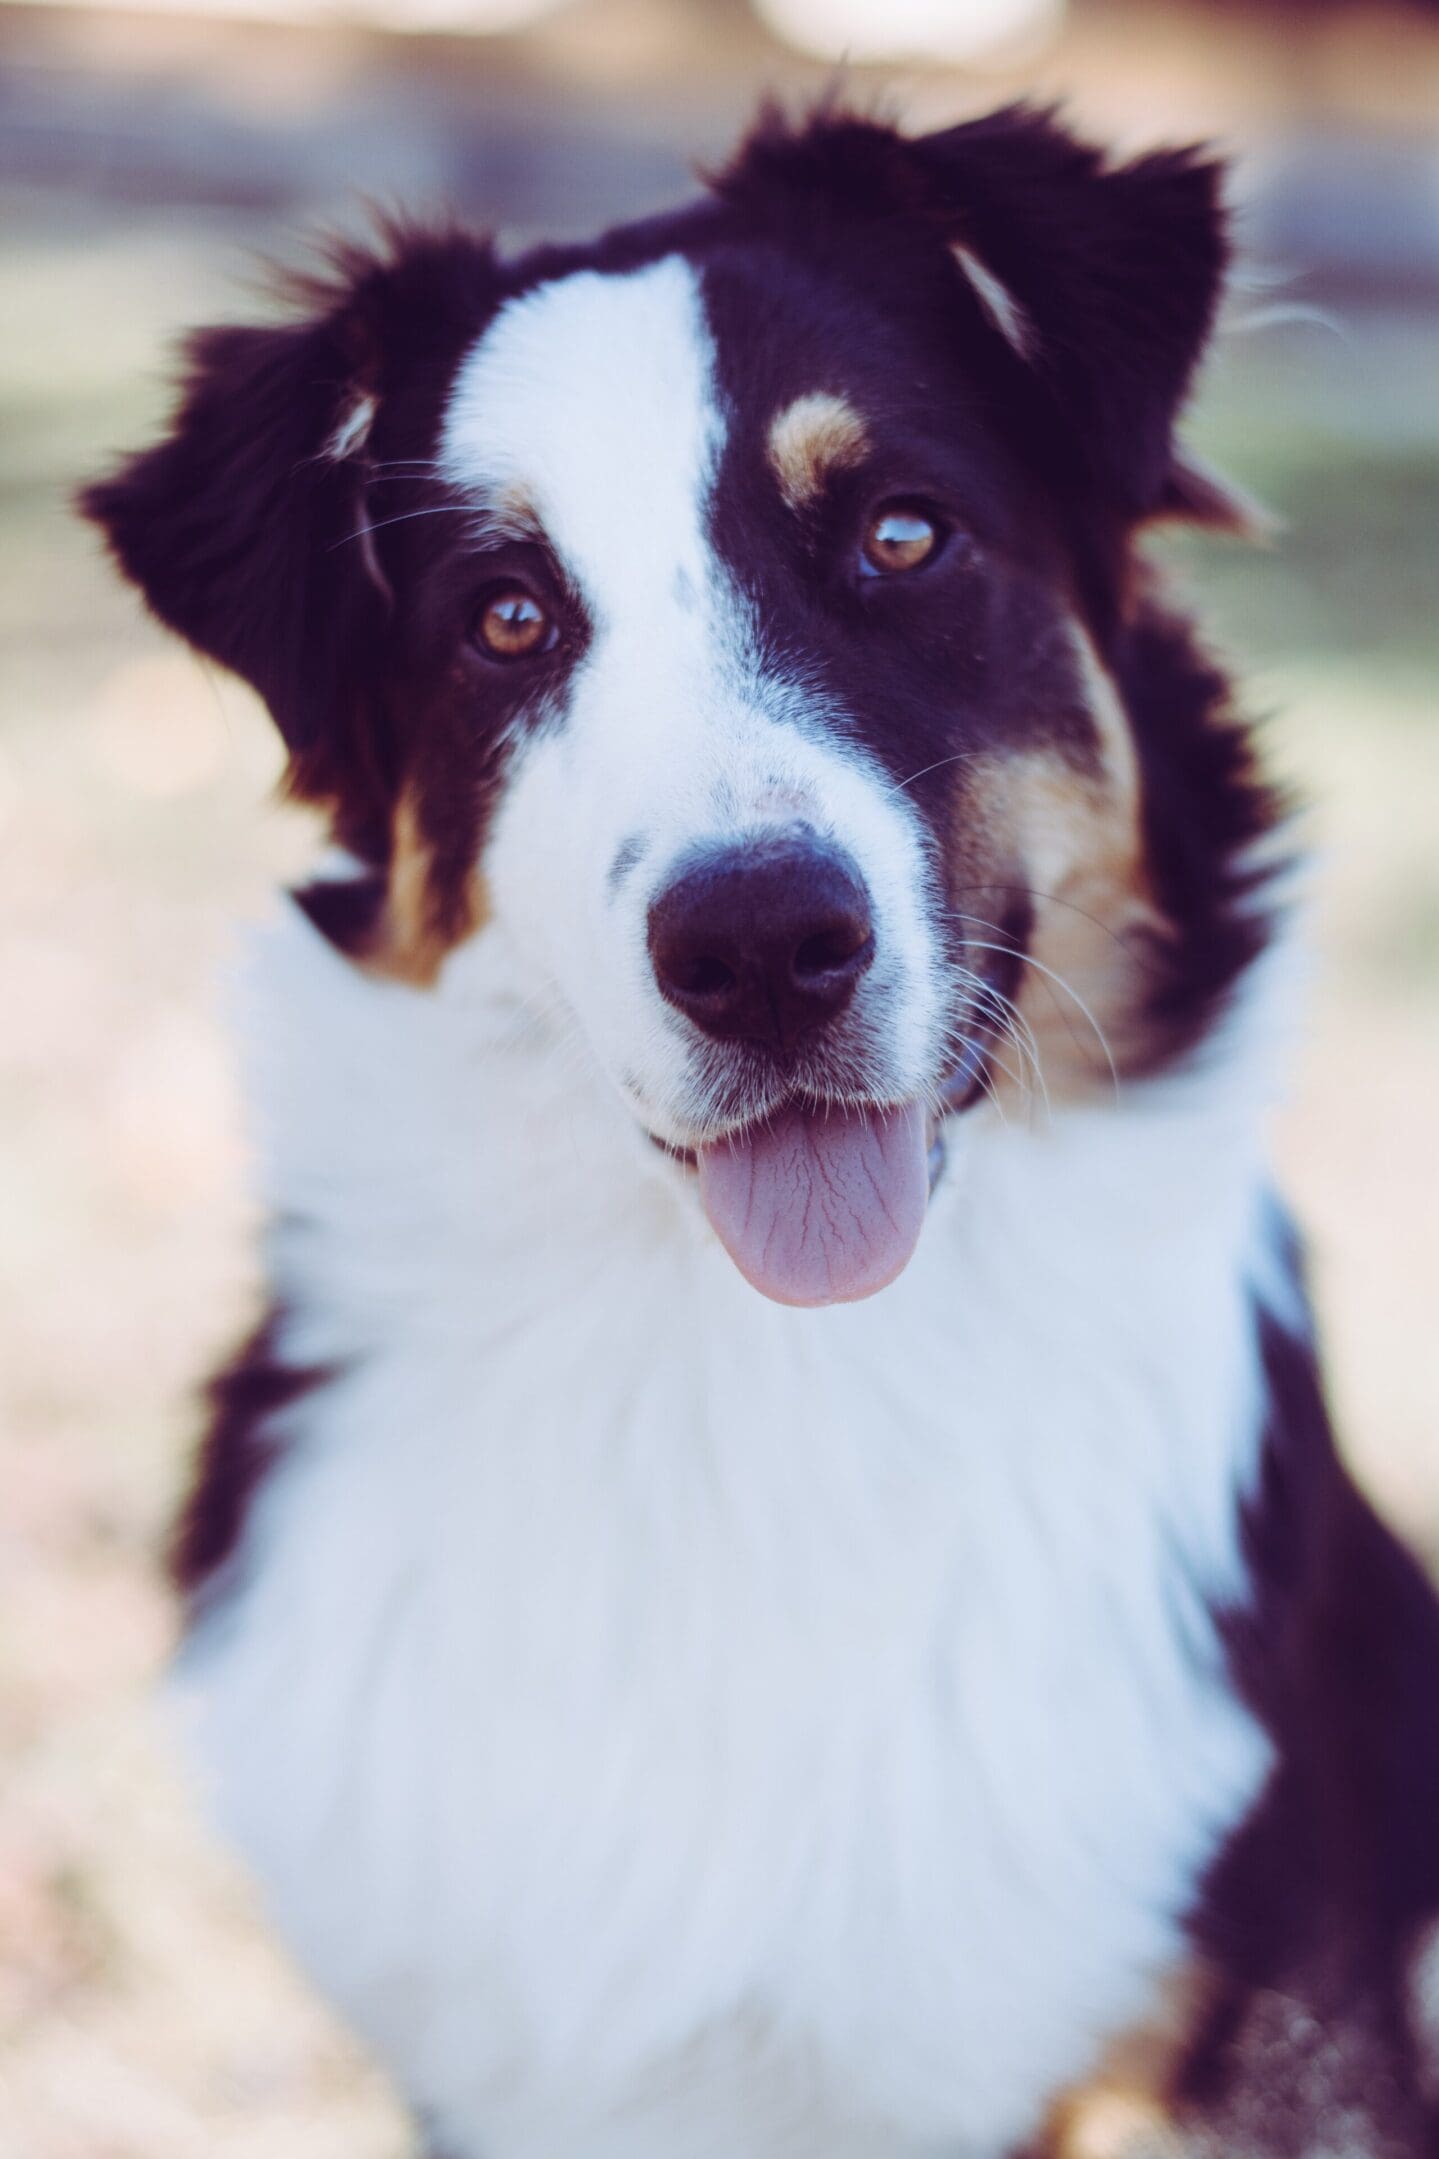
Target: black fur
point(1117, 269)
point(243, 530)
point(1312, 1910)
point(346, 910)
point(246, 1402)
point(1210, 817)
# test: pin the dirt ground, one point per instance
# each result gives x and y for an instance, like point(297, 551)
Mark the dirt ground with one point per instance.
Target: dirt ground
point(143, 2012)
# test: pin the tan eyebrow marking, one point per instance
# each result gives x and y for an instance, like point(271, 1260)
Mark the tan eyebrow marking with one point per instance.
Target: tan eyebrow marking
point(817, 435)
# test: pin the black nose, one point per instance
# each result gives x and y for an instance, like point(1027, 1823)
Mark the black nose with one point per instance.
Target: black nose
point(765, 942)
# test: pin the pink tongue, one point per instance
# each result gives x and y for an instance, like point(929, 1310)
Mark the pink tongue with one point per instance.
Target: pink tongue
point(820, 1207)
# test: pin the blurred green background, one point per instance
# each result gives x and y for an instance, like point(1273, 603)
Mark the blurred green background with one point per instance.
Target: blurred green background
point(144, 158)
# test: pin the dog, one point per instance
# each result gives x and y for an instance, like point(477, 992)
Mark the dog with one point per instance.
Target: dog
point(776, 1580)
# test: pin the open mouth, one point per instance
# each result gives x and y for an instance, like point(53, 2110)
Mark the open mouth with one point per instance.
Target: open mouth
point(822, 1204)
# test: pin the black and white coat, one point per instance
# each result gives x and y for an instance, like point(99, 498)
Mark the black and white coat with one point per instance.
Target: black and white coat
point(666, 1720)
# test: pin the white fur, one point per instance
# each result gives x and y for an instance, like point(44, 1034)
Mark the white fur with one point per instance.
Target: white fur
point(627, 1672)
point(669, 1724)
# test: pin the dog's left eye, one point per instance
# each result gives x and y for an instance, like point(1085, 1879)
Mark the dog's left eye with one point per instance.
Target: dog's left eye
point(897, 538)
point(511, 624)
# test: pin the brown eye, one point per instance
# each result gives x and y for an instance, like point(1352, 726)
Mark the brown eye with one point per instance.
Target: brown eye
point(512, 625)
point(898, 539)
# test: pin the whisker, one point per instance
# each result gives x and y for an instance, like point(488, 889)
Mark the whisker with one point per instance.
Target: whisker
point(443, 509)
point(1131, 950)
point(991, 1018)
point(897, 787)
point(1011, 1021)
point(1017, 952)
point(1025, 1038)
point(1018, 1031)
point(992, 1056)
point(1000, 1027)
point(993, 1092)
point(1013, 952)
point(1006, 1005)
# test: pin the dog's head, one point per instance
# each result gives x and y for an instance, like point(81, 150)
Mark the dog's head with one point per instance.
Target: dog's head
point(737, 613)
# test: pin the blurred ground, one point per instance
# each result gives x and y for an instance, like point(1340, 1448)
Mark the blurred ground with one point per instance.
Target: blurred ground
point(143, 2014)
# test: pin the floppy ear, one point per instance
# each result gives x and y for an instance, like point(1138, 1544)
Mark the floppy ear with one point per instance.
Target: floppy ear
point(1102, 280)
point(247, 529)
point(1195, 494)
point(1111, 273)
point(238, 528)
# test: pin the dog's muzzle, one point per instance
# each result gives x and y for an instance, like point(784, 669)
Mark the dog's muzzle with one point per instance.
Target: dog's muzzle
point(764, 945)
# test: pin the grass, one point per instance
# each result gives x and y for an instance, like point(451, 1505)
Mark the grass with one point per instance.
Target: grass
point(143, 2012)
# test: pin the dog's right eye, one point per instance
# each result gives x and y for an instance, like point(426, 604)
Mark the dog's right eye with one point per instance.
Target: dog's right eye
point(511, 624)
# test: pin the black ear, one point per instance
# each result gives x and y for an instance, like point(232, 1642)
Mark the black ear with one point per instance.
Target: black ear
point(238, 528)
point(1114, 273)
point(1195, 494)
point(1102, 279)
point(247, 528)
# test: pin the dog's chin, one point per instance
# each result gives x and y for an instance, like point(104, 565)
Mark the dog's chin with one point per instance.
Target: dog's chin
point(820, 1202)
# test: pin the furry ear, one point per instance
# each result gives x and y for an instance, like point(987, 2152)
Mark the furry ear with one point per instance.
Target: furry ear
point(1102, 280)
point(247, 528)
point(1113, 274)
point(239, 527)
point(1195, 494)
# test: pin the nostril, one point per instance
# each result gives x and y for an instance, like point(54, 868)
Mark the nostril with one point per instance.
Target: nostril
point(844, 945)
point(702, 976)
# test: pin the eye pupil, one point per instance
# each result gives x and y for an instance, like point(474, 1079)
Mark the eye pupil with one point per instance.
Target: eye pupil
point(512, 624)
point(899, 539)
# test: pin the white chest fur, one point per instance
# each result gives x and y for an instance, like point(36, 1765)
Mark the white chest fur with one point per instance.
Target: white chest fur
point(667, 1724)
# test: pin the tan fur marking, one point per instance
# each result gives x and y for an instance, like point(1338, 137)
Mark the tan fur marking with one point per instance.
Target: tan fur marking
point(816, 435)
point(1107, 2124)
point(414, 939)
point(1123, 2109)
point(1077, 837)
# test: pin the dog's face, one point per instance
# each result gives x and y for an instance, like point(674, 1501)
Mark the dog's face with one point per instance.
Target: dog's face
point(731, 612)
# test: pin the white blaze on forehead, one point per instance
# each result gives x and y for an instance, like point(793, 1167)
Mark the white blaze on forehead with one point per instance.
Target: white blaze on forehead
point(592, 401)
point(595, 396)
